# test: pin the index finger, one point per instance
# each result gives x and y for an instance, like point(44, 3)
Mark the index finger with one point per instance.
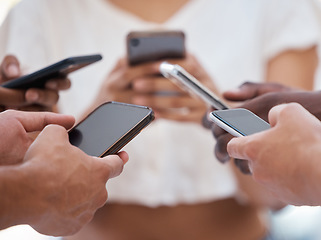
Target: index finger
point(149, 68)
point(36, 121)
point(12, 97)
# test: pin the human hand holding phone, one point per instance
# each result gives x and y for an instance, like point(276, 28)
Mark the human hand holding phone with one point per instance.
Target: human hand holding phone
point(239, 122)
point(143, 84)
point(27, 99)
point(285, 159)
point(54, 169)
point(151, 46)
point(260, 98)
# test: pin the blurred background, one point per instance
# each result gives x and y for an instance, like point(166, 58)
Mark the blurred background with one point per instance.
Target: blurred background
point(290, 223)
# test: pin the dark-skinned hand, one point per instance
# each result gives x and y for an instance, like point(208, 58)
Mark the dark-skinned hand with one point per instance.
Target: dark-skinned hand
point(30, 99)
point(260, 98)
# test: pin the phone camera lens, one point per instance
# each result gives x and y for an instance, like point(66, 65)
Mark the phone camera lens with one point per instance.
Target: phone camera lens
point(134, 42)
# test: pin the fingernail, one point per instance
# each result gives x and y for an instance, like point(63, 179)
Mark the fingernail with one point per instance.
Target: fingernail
point(13, 70)
point(224, 159)
point(51, 84)
point(32, 96)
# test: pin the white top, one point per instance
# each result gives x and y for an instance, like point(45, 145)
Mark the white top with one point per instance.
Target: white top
point(170, 162)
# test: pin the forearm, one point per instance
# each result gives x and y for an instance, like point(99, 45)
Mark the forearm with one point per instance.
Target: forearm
point(15, 201)
point(295, 68)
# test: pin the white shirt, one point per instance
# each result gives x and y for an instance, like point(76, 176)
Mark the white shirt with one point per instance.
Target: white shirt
point(170, 162)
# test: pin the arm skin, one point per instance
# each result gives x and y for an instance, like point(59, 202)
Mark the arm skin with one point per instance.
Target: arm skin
point(286, 158)
point(57, 188)
point(142, 85)
point(294, 69)
point(30, 99)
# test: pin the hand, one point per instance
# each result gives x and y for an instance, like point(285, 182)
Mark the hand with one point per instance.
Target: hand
point(246, 92)
point(143, 85)
point(15, 127)
point(65, 185)
point(258, 98)
point(30, 99)
point(180, 106)
point(285, 159)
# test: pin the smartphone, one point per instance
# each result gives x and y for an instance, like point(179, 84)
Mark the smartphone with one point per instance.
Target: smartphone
point(110, 127)
point(146, 46)
point(189, 83)
point(62, 68)
point(239, 121)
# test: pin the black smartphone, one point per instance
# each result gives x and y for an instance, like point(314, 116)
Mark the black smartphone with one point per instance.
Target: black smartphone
point(146, 46)
point(239, 121)
point(110, 127)
point(189, 83)
point(62, 68)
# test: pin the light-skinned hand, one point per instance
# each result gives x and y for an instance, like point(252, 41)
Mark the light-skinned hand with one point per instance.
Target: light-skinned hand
point(286, 158)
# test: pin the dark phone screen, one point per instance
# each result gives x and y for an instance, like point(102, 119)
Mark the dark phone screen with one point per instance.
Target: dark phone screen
point(243, 121)
point(108, 124)
point(152, 48)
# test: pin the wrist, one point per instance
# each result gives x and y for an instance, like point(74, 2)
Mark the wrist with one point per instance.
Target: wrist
point(11, 181)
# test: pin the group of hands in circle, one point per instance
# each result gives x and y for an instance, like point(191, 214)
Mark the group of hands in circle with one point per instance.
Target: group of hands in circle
point(35, 143)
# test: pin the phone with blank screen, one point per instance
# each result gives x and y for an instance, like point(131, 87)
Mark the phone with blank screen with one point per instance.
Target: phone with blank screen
point(239, 121)
point(110, 127)
point(60, 69)
point(147, 46)
point(189, 83)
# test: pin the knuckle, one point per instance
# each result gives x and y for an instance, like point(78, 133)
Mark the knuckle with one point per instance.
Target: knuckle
point(10, 112)
point(250, 150)
point(288, 109)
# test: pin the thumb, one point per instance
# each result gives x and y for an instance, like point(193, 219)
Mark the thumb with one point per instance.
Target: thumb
point(238, 148)
point(10, 68)
point(114, 164)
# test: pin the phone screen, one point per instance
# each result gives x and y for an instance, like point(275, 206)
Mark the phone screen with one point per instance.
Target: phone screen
point(242, 121)
point(108, 128)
